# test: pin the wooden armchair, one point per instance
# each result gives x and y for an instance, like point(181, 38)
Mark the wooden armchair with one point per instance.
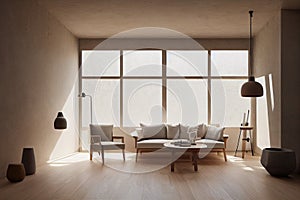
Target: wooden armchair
point(102, 139)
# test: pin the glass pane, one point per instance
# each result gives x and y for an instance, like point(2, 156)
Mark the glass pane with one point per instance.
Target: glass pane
point(187, 63)
point(142, 102)
point(100, 63)
point(142, 63)
point(228, 107)
point(229, 63)
point(187, 101)
point(105, 101)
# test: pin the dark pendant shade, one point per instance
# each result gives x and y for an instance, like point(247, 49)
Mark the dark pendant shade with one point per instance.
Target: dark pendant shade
point(252, 88)
point(60, 122)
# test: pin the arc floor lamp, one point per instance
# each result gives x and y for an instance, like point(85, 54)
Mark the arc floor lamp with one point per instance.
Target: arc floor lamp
point(251, 88)
point(83, 95)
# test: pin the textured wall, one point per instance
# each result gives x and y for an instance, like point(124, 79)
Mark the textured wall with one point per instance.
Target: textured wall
point(267, 62)
point(276, 52)
point(290, 61)
point(39, 62)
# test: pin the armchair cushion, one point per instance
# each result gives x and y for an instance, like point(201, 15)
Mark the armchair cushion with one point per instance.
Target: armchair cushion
point(112, 145)
point(105, 131)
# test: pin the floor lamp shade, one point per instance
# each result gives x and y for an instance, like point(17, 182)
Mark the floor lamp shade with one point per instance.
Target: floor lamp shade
point(60, 122)
point(252, 88)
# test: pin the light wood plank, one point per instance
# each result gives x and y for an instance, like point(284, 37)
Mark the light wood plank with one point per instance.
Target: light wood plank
point(78, 178)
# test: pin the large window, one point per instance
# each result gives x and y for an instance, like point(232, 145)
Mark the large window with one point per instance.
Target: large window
point(100, 63)
point(106, 101)
point(142, 63)
point(142, 101)
point(187, 63)
point(229, 63)
point(172, 86)
point(187, 101)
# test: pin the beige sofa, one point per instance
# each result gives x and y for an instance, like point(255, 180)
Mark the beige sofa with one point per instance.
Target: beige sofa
point(152, 137)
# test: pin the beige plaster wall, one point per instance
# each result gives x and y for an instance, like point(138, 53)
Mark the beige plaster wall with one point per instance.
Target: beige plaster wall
point(276, 52)
point(267, 57)
point(290, 62)
point(39, 62)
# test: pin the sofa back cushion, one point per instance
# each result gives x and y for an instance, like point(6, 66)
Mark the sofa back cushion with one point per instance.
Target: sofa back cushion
point(153, 131)
point(172, 131)
point(214, 133)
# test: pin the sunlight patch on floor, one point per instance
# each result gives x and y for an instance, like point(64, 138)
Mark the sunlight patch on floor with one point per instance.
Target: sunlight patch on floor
point(235, 159)
point(74, 158)
point(248, 169)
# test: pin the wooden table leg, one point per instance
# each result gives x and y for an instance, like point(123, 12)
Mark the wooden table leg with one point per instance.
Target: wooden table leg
point(173, 162)
point(194, 160)
point(172, 167)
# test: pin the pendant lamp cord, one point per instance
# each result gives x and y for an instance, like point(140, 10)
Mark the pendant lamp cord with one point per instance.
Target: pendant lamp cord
point(250, 45)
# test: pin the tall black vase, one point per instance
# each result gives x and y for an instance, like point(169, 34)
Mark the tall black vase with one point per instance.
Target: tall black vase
point(28, 161)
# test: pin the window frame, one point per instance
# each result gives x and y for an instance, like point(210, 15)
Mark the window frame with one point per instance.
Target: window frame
point(164, 77)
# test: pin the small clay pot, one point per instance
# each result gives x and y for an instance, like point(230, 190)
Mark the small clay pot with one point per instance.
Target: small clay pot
point(15, 172)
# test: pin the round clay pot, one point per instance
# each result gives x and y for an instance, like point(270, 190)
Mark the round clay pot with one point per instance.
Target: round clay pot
point(278, 161)
point(15, 172)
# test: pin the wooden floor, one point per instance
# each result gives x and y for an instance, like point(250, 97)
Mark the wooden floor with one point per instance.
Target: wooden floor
point(78, 178)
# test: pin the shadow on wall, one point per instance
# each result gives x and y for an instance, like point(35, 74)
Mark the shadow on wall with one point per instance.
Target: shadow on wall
point(68, 140)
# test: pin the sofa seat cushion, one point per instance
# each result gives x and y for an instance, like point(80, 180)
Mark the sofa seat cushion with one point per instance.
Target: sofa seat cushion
point(152, 143)
point(212, 143)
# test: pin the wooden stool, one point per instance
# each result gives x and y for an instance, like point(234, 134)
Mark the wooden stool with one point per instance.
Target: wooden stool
point(244, 130)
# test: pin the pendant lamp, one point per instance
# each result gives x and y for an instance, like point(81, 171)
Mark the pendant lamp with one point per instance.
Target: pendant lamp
point(251, 88)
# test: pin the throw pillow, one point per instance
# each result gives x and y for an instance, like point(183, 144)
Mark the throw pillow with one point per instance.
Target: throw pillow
point(214, 133)
point(202, 128)
point(192, 132)
point(139, 133)
point(193, 129)
point(183, 132)
point(154, 131)
point(105, 131)
point(172, 131)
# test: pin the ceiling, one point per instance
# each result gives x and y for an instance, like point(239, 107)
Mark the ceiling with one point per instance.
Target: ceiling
point(195, 18)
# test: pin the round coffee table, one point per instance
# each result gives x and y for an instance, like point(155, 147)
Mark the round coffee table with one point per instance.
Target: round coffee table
point(194, 149)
